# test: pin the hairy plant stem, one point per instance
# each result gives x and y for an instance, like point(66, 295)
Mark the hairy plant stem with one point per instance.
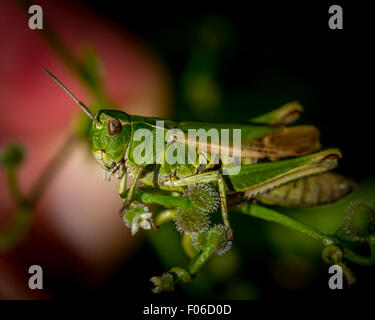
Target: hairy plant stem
point(14, 187)
point(17, 227)
point(326, 239)
point(274, 216)
point(359, 259)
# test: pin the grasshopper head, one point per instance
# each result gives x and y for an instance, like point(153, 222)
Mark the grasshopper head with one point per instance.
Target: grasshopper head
point(110, 135)
point(110, 132)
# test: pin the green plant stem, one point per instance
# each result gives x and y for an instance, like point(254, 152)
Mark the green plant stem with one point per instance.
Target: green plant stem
point(274, 216)
point(359, 259)
point(21, 221)
point(51, 170)
point(14, 187)
point(15, 230)
point(202, 258)
point(18, 225)
point(165, 216)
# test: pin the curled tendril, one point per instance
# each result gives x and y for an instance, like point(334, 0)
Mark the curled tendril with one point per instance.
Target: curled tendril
point(332, 254)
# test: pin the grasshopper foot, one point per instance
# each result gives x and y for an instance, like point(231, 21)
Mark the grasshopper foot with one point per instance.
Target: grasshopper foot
point(230, 233)
point(122, 210)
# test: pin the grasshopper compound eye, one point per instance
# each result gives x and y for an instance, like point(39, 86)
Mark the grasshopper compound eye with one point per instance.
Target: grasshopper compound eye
point(114, 127)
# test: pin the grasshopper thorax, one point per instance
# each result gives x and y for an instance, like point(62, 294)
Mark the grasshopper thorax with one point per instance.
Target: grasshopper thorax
point(110, 136)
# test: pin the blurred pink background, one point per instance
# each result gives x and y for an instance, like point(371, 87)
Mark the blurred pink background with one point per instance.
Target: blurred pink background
point(76, 229)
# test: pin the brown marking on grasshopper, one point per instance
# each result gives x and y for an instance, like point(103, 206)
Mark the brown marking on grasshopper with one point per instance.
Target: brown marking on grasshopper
point(331, 157)
point(287, 142)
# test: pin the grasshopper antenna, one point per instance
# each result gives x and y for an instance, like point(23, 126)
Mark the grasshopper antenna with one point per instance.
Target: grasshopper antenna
point(81, 104)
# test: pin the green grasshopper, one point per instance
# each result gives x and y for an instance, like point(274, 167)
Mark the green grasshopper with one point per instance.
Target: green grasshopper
point(275, 164)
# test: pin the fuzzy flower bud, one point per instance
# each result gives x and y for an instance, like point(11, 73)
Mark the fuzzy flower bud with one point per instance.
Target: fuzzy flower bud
point(359, 222)
point(163, 283)
point(218, 236)
point(204, 196)
point(191, 221)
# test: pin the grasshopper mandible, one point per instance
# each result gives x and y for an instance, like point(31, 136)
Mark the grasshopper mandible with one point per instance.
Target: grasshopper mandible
point(278, 164)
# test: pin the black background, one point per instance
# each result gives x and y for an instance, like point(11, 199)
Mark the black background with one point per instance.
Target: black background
point(289, 37)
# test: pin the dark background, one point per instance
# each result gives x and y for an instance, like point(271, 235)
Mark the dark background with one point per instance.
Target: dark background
point(278, 52)
point(273, 53)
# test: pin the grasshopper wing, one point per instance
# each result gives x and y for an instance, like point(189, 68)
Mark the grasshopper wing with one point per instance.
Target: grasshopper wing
point(257, 142)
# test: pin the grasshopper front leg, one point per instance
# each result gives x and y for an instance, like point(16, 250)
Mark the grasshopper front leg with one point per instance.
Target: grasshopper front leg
point(123, 180)
point(137, 173)
point(211, 176)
